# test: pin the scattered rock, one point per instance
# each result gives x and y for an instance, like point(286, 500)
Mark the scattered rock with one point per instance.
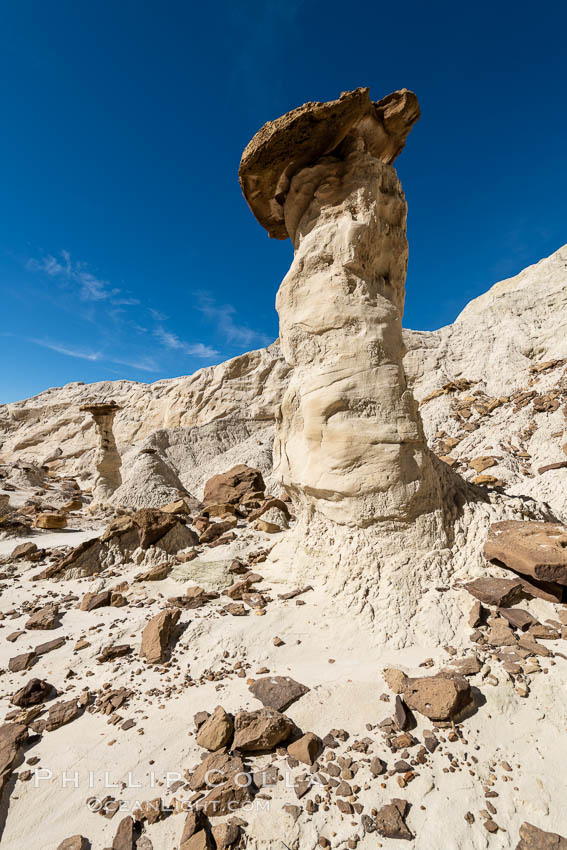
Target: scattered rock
point(157, 573)
point(11, 736)
point(377, 766)
point(46, 618)
point(215, 769)
point(277, 692)
point(441, 697)
point(92, 601)
point(21, 662)
point(33, 692)
point(261, 730)
point(110, 653)
point(216, 530)
point(233, 486)
point(562, 464)
point(216, 731)
point(532, 838)
point(517, 618)
point(476, 615)
point(194, 822)
point(534, 549)
point(59, 715)
point(225, 835)
point(75, 842)
point(390, 821)
point(157, 635)
point(150, 811)
point(24, 552)
point(306, 749)
point(468, 666)
point(267, 527)
point(501, 592)
point(479, 464)
point(124, 838)
point(51, 521)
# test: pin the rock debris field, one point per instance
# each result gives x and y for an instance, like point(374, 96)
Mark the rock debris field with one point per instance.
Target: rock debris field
point(315, 597)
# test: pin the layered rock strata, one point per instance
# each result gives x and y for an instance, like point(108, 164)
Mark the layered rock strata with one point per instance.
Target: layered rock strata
point(107, 458)
point(349, 441)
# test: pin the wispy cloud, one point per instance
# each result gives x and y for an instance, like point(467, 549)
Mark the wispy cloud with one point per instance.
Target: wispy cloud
point(155, 314)
point(223, 317)
point(90, 287)
point(172, 341)
point(145, 364)
point(64, 349)
point(112, 312)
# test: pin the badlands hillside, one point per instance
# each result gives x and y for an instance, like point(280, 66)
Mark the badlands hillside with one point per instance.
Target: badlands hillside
point(313, 597)
point(508, 348)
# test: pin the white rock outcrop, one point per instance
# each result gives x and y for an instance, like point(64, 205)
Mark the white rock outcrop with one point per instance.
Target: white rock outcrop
point(349, 440)
point(107, 458)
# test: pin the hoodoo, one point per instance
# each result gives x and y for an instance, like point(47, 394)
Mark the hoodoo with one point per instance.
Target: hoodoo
point(349, 441)
point(107, 458)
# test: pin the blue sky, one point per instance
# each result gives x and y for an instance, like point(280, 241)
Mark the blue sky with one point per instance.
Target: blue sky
point(126, 249)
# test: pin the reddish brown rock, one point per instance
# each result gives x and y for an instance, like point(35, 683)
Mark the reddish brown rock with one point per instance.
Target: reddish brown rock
point(51, 520)
point(301, 137)
point(390, 821)
point(532, 646)
point(125, 837)
point(157, 573)
point(268, 505)
point(21, 662)
point(216, 769)
point(261, 731)
point(216, 731)
point(467, 666)
point(11, 737)
point(225, 798)
point(157, 635)
point(194, 822)
point(225, 835)
point(219, 511)
point(501, 592)
point(236, 590)
point(479, 464)
point(150, 811)
point(562, 464)
point(49, 645)
point(306, 749)
point(476, 615)
point(500, 633)
point(441, 697)
point(110, 653)
point(216, 529)
point(267, 527)
point(236, 609)
point(233, 486)
point(534, 549)
point(59, 715)
point(92, 601)
point(200, 841)
point(144, 528)
point(75, 842)
point(73, 505)
point(518, 618)
point(34, 692)
point(532, 838)
point(46, 618)
point(25, 551)
point(277, 692)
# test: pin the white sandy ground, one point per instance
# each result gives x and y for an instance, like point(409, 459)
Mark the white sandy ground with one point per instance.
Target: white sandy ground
point(527, 733)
